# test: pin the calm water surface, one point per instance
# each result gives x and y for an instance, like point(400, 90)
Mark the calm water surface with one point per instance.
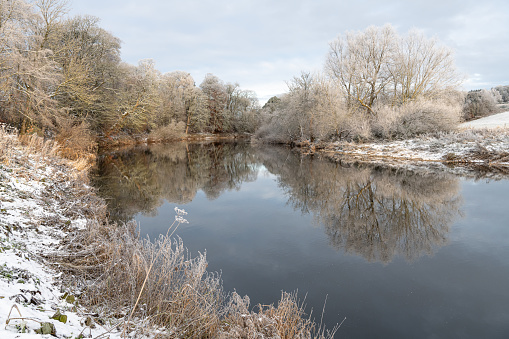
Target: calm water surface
point(399, 253)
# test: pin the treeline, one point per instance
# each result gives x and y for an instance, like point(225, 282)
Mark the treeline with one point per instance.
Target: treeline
point(63, 77)
point(482, 102)
point(376, 83)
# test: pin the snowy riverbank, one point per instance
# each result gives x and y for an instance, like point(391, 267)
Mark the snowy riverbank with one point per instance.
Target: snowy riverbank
point(42, 198)
point(473, 144)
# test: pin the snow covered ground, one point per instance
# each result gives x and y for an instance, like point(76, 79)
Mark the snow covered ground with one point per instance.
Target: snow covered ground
point(38, 194)
point(482, 142)
point(500, 120)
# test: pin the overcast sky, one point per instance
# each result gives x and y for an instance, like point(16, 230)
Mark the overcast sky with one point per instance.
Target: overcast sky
point(261, 44)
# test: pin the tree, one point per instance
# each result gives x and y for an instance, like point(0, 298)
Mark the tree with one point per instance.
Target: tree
point(50, 14)
point(360, 63)
point(480, 103)
point(216, 95)
point(138, 100)
point(241, 108)
point(27, 74)
point(302, 104)
point(182, 101)
point(421, 68)
point(88, 58)
point(503, 92)
point(379, 66)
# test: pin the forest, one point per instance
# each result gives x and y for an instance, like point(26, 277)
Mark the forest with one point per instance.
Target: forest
point(63, 78)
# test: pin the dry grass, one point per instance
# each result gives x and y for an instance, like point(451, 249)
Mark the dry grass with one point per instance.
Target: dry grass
point(155, 280)
point(287, 320)
point(482, 153)
point(33, 147)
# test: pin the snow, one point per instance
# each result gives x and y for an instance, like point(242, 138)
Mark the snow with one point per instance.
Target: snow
point(500, 120)
point(35, 215)
point(457, 147)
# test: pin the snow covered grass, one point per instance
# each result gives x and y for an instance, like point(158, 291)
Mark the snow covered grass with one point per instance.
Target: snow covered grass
point(462, 147)
point(42, 198)
point(496, 121)
point(66, 272)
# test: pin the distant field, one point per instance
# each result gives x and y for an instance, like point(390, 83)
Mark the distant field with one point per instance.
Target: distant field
point(500, 120)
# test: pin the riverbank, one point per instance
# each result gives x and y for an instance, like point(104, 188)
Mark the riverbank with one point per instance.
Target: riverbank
point(481, 144)
point(43, 198)
point(68, 272)
point(145, 139)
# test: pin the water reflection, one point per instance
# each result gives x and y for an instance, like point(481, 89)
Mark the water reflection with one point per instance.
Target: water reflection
point(373, 212)
point(139, 180)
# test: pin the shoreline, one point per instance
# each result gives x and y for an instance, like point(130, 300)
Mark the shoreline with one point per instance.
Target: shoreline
point(147, 140)
point(485, 149)
point(54, 232)
point(43, 199)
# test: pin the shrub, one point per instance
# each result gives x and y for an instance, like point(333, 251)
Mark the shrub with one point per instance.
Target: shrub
point(174, 130)
point(415, 118)
point(75, 140)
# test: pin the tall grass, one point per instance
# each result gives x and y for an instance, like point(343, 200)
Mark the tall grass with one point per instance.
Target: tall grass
point(157, 281)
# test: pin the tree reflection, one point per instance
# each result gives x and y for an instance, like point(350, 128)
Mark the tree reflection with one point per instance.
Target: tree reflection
point(140, 179)
point(375, 212)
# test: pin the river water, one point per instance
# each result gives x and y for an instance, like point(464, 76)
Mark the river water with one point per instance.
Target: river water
point(399, 253)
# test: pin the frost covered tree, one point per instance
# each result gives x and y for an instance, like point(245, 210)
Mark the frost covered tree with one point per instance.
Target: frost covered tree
point(360, 62)
point(216, 98)
point(380, 66)
point(242, 108)
point(480, 103)
point(504, 93)
point(182, 101)
point(27, 74)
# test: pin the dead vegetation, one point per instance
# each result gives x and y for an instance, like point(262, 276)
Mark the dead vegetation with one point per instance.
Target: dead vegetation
point(485, 155)
point(156, 282)
point(286, 320)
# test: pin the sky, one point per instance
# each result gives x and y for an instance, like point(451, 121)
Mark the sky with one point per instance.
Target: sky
point(262, 44)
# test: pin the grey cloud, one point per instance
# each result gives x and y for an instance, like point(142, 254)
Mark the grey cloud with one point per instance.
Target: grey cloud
point(234, 39)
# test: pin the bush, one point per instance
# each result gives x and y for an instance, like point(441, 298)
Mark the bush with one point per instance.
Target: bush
point(415, 118)
point(174, 130)
point(75, 140)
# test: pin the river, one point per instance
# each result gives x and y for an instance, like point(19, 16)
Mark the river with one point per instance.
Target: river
point(399, 253)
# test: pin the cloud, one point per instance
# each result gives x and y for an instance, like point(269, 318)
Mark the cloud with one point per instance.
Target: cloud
point(261, 44)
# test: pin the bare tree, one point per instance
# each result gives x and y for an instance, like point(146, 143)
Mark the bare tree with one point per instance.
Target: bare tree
point(421, 68)
point(138, 99)
point(27, 74)
point(241, 108)
point(480, 103)
point(182, 101)
point(216, 95)
point(360, 62)
point(51, 13)
point(88, 57)
point(379, 66)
